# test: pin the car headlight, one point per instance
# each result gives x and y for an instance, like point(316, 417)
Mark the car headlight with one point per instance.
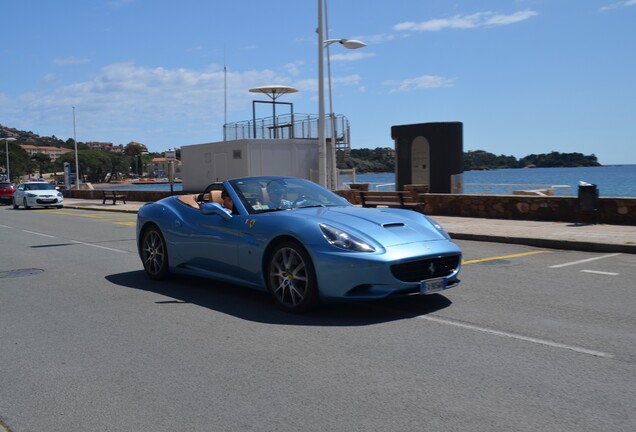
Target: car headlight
point(344, 240)
point(59, 195)
point(31, 195)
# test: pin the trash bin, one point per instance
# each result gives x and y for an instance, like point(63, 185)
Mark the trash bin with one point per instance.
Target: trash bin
point(588, 201)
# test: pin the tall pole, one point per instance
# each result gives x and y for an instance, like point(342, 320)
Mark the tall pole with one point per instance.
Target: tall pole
point(77, 175)
point(224, 99)
point(6, 142)
point(332, 166)
point(322, 142)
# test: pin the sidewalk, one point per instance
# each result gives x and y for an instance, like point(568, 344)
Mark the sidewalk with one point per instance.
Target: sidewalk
point(554, 235)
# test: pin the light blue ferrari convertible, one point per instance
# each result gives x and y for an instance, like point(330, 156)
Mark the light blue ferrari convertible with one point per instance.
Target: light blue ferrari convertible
point(297, 240)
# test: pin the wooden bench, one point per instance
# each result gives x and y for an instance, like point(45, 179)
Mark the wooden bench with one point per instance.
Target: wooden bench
point(399, 199)
point(114, 196)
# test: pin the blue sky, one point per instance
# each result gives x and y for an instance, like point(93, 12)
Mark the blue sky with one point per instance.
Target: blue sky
point(524, 76)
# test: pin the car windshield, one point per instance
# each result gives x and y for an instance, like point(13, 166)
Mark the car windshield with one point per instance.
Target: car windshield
point(266, 194)
point(6, 185)
point(38, 186)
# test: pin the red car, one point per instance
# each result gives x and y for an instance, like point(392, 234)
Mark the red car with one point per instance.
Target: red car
point(6, 192)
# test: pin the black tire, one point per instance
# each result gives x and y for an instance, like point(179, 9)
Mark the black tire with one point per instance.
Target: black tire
point(154, 254)
point(15, 205)
point(291, 278)
point(24, 203)
point(60, 206)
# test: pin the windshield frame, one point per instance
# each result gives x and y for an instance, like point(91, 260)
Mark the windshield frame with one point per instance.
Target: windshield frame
point(38, 186)
point(258, 194)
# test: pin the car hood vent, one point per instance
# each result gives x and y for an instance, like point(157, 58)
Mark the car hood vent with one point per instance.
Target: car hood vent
point(393, 225)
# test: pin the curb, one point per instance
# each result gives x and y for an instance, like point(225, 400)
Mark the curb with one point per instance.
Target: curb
point(548, 243)
point(119, 210)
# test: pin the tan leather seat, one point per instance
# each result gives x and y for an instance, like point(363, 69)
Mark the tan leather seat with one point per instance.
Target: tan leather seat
point(215, 196)
point(189, 200)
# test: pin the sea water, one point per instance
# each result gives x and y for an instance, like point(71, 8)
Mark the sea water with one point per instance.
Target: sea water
point(611, 180)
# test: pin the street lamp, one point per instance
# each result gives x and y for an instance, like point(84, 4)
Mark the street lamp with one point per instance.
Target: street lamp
point(324, 179)
point(6, 142)
point(77, 174)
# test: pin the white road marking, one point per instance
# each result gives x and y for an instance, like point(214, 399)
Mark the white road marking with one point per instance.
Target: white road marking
point(77, 242)
point(600, 272)
point(516, 336)
point(40, 234)
point(4, 226)
point(584, 261)
point(98, 246)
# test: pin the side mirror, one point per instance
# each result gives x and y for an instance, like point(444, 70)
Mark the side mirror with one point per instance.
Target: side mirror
point(215, 209)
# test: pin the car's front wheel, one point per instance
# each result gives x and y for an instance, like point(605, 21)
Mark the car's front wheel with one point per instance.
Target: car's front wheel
point(291, 278)
point(154, 254)
point(24, 203)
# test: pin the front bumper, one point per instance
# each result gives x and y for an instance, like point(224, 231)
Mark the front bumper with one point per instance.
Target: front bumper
point(44, 201)
point(347, 275)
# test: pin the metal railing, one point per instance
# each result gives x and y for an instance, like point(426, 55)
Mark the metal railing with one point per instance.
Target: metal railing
point(291, 126)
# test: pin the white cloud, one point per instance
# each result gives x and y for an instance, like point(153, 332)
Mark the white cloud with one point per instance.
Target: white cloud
point(311, 84)
point(617, 5)
point(126, 102)
point(293, 69)
point(419, 83)
point(480, 19)
point(377, 38)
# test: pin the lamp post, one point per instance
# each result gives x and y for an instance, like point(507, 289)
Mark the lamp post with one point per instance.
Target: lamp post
point(171, 155)
point(6, 142)
point(77, 174)
point(325, 171)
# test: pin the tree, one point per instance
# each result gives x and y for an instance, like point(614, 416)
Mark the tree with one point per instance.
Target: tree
point(42, 161)
point(134, 149)
point(19, 162)
point(93, 164)
point(119, 164)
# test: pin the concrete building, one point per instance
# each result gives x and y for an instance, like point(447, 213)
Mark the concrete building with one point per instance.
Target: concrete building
point(219, 161)
point(159, 167)
point(53, 152)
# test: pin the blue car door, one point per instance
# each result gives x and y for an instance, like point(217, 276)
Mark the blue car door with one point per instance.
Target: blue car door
point(208, 242)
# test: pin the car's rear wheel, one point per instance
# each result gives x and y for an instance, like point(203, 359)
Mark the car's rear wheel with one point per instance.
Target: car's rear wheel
point(154, 254)
point(291, 278)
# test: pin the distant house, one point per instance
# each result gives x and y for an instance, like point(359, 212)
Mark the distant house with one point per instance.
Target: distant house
point(53, 152)
point(107, 146)
point(159, 167)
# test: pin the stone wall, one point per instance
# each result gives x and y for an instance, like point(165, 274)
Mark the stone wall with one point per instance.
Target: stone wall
point(614, 211)
point(131, 195)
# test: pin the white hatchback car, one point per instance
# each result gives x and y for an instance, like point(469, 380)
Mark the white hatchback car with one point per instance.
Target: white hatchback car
point(37, 194)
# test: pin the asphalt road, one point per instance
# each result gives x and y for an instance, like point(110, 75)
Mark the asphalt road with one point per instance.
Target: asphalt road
point(533, 339)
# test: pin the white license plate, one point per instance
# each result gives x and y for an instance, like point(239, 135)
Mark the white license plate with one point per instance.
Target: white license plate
point(432, 285)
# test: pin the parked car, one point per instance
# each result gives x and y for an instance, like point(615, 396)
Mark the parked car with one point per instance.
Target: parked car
point(37, 194)
point(6, 192)
point(302, 243)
